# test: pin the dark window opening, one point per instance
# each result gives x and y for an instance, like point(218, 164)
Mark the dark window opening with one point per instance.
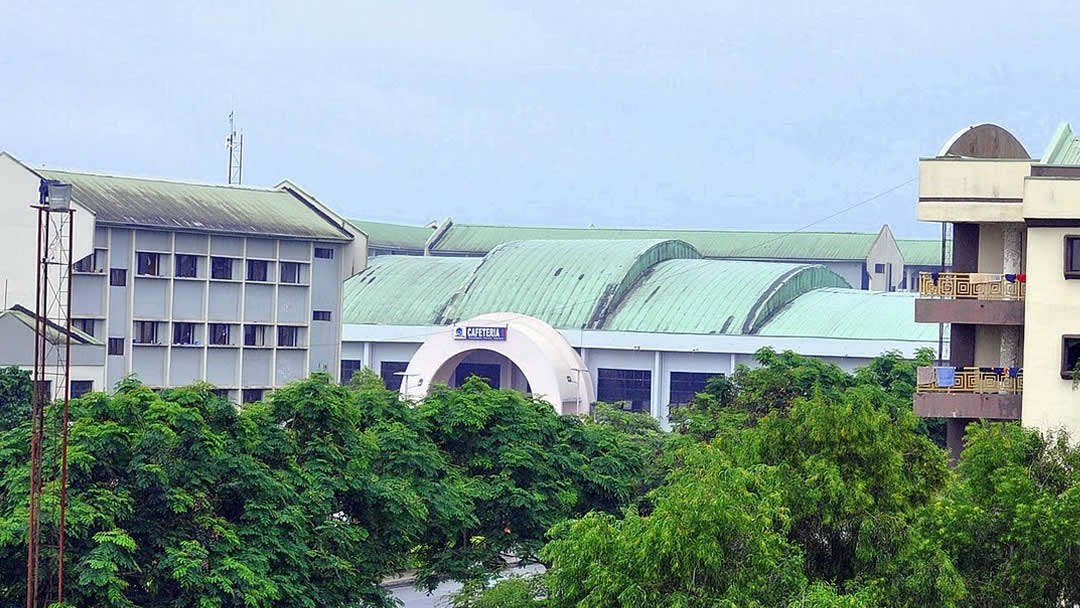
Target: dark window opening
point(84, 325)
point(220, 392)
point(219, 334)
point(630, 386)
point(686, 385)
point(183, 333)
point(320, 315)
point(287, 336)
point(221, 268)
point(251, 395)
point(117, 277)
point(116, 346)
point(348, 368)
point(290, 272)
point(489, 372)
point(146, 332)
point(879, 268)
point(324, 252)
point(1070, 354)
point(148, 264)
point(81, 387)
point(86, 264)
point(186, 265)
point(391, 372)
point(256, 270)
point(255, 335)
point(1072, 257)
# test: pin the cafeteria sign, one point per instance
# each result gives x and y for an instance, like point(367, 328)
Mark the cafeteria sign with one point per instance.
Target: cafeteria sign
point(470, 332)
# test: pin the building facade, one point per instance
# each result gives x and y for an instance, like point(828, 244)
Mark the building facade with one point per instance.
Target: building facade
point(240, 287)
point(1013, 300)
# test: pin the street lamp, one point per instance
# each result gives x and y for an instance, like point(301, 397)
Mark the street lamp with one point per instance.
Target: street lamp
point(55, 195)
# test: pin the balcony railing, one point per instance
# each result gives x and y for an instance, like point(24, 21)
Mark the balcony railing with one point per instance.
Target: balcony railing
point(972, 380)
point(972, 285)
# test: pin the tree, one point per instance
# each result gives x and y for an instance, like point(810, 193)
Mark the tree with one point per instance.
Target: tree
point(15, 395)
point(1011, 521)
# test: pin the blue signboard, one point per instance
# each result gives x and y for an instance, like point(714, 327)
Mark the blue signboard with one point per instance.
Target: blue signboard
point(472, 332)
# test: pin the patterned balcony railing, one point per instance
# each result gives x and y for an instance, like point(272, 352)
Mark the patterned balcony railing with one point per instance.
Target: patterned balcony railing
point(972, 380)
point(972, 285)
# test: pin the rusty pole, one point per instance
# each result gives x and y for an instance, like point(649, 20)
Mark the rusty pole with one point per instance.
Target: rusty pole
point(67, 402)
point(31, 545)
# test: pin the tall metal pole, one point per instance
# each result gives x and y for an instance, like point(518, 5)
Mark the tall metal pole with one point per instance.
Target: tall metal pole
point(941, 326)
point(31, 545)
point(67, 402)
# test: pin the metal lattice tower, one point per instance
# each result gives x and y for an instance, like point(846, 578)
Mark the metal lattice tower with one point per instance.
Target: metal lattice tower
point(52, 384)
point(234, 143)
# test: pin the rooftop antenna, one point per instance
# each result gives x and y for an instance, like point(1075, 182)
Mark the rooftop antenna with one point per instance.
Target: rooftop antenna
point(234, 143)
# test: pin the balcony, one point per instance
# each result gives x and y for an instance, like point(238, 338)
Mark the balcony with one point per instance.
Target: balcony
point(977, 298)
point(976, 392)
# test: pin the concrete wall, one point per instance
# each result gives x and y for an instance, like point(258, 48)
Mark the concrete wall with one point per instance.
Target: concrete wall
point(885, 252)
point(1052, 311)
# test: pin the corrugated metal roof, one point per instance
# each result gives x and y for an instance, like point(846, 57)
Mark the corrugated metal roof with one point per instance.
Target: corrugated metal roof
point(1064, 147)
point(474, 238)
point(715, 296)
point(187, 206)
point(395, 236)
point(55, 333)
point(851, 313)
point(568, 284)
point(404, 290)
point(924, 252)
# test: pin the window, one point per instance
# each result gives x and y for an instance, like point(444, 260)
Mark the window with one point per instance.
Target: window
point(1070, 354)
point(686, 385)
point(1072, 257)
point(391, 373)
point(290, 272)
point(84, 325)
point(183, 333)
point(185, 265)
point(81, 387)
point(879, 268)
point(251, 395)
point(286, 336)
point(221, 268)
point(256, 270)
point(86, 264)
point(117, 277)
point(222, 393)
point(320, 315)
point(348, 368)
point(116, 346)
point(148, 264)
point(488, 372)
point(146, 332)
point(324, 252)
point(219, 334)
point(632, 386)
point(255, 335)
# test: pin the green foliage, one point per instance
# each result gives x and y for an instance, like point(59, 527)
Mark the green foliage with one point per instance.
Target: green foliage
point(15, 395)
point(1011, 521)
point(514, 592)
point(716, 537)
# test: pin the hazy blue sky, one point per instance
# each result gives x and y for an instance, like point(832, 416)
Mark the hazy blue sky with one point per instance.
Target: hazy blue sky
point(747, 114)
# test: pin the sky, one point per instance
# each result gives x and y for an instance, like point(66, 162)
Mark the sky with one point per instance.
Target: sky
point(670, 113)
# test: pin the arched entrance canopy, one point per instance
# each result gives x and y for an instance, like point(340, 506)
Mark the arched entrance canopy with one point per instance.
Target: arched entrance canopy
point(554, 370)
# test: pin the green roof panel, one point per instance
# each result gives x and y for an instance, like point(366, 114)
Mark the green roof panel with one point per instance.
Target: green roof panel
point(853, 314)
point(924, 252)
point(568, 284)
point(404, 290)
point(1064, 147)
point(172, 205)
point(715, 296)
point(394, 236)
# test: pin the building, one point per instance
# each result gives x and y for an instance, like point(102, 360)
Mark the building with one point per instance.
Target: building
point(642, 321)
point(1013, 300)
point(18, 326)
point(875, 261)
point(182, 282)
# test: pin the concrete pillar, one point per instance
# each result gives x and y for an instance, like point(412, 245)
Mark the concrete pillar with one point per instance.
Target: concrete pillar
point(657, 394)
point(1012, 237)
point(954, 437)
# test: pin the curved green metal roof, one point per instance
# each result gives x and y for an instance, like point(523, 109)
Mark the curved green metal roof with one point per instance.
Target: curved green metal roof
point(403, 290)
point(715, 296)
point(851, 313)
point(568, 284)
point(475, 238)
